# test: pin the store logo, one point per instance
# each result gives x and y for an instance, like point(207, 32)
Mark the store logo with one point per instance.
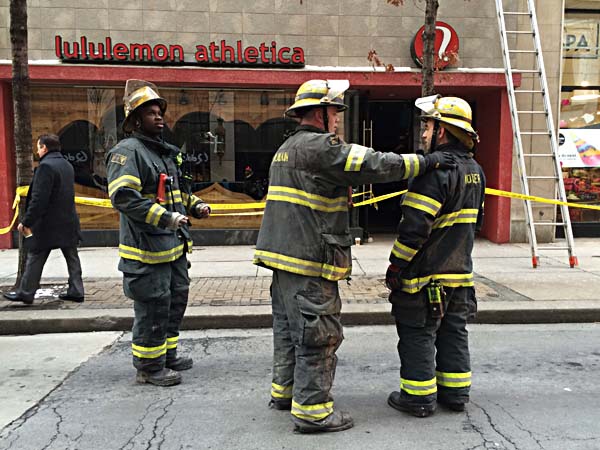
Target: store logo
point(173, 54)
point(446, 46)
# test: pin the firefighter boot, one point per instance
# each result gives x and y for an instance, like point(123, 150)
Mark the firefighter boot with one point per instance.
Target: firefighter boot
point(396, 401)
point(336, 421)
point(281, 404)
point(179, 363)
point(456, 406)
point(163, 377)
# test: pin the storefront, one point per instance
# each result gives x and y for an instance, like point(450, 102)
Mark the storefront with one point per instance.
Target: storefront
point(229, 81)
point(580, 118)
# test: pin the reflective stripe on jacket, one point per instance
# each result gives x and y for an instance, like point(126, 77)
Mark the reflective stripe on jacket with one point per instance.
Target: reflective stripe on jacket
point(441, 212)
point(305, 227)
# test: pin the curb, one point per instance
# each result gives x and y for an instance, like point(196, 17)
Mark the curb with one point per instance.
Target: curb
point(206, 317)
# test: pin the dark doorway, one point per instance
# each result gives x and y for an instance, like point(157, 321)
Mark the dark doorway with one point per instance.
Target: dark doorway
point(391, 124)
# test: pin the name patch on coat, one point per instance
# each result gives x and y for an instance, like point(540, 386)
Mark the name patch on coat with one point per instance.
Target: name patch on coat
point(472, 178)
point(281, 157)
point(119, 159)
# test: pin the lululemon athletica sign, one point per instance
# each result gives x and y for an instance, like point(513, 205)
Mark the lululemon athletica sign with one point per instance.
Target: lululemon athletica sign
point(446, 46)
point(213, 54)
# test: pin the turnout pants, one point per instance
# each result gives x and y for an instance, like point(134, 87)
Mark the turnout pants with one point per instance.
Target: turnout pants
point(306, 334)
point(160, 295)
point(434, 353)
point(36, 259)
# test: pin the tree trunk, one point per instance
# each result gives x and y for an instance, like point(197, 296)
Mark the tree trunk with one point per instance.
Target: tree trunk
point(427, 88)
point(21, 107)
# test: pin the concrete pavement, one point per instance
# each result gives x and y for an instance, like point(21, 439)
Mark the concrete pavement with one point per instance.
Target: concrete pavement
point(228, 291)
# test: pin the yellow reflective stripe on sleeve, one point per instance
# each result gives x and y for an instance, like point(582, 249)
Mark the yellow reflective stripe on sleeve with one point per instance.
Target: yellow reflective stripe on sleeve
point(172, 342)
point(453, 380)
point(312, 412)
point(356, 155)
point(412, 165)
point(447, 279)
point(149, 257)
point(154, 214)
point(422, 203)
point(312, 201)
point(148, 352)
point(124, 181)
point(301, 266)
point(279, 391)
point(403, 252)
point(463, 216)
point(414, 387)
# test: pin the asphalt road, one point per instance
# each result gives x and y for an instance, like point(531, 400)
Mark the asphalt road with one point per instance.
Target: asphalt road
point(535, 387)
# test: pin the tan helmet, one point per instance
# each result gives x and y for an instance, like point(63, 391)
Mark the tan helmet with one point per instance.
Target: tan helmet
point(138, 92)
point(453, 113)
point(319, 93)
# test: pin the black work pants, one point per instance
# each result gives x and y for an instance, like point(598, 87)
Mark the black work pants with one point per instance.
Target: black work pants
point(306, 334)
point(434, 353)
point(160, 296)
point(34, 266)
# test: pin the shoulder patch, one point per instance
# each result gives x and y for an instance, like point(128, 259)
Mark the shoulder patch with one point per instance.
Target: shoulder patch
point(334, 140)
point(118, 158)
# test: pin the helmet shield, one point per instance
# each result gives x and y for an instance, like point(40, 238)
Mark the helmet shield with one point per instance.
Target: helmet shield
point(138, 92)
point(319, 93)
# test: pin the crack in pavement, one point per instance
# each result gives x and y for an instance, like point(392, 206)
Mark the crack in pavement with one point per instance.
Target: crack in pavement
point(486, 442)
point(165, 428)
point(520, 426)
point(58, 424)
point(130, 444)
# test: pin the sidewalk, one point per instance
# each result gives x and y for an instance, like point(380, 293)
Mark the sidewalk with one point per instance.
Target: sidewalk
point(228, 291)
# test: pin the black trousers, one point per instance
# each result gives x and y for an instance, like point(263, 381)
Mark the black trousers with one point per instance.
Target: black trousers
point(306, 334)
point(36, 259)
point(434, 353)
point(160, 296)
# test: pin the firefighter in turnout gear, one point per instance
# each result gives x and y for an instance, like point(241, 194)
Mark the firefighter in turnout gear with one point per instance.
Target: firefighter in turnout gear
point(431, 270)
point(147, 187)
point(304, 239)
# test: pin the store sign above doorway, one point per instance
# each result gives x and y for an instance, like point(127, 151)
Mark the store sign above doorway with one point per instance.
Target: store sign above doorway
point(213, 54)
point(446, 46)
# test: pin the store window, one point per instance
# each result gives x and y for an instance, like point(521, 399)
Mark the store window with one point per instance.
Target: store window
point(579, 136)
point(228, 138)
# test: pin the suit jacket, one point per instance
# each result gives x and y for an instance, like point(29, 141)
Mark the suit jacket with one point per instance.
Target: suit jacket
point(50, 205)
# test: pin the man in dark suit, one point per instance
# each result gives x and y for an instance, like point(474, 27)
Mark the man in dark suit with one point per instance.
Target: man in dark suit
point(50, 222)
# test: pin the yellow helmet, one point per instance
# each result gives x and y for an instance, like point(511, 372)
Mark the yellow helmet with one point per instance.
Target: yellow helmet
point(453, 113)
point(138, 92)
point(319, 93)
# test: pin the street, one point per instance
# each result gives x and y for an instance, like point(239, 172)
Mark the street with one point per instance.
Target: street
point(534, 387)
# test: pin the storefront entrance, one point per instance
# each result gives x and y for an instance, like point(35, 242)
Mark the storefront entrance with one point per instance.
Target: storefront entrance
point(388, 127)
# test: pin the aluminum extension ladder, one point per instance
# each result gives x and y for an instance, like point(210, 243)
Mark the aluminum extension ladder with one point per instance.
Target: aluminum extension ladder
point(533, 124)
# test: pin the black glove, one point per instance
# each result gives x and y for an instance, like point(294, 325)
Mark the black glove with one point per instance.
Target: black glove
point(439, 160)
point(392, 278)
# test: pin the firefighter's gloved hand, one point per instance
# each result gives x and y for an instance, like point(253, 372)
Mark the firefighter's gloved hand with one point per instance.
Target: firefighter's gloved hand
point(439, 160)
point(203, 210)
point(176, 220)
point(392, 278)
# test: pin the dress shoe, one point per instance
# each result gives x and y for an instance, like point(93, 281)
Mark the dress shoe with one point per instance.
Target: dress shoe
point(281, 404)
point(71, 298)
point(396, 401)
point(14, 297)
point(179, 363)
point(336, 421)
point(164, 377)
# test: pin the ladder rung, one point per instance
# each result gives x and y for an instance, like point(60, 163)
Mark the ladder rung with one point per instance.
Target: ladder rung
point(540, 177)
point(549, 223)
point(523, 51)
point(535, 132)
point(529, 91)
point(554, 248)
point(519, 32)
point(525, 70)
point(531, 112)
point(539, 155)
point(516, 13)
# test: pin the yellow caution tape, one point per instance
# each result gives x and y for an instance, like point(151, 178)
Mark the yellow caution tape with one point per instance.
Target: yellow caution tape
point(105, 203)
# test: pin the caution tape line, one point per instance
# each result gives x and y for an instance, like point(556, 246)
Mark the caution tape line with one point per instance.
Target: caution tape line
point(105, 203)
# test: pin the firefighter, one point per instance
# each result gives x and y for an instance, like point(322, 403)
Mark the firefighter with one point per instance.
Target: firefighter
point(431, 270)
point(304, 239)
point(147, 187)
